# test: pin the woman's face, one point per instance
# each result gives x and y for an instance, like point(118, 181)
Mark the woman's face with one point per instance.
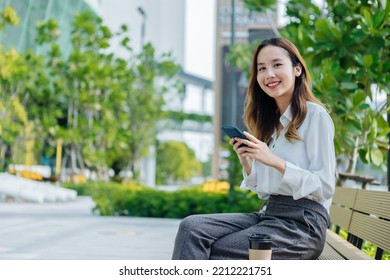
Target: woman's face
point(276, 74)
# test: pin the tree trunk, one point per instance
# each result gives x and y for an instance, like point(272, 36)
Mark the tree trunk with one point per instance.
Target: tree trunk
point(353, 158)
point(63, 164)
point(388, 156)
point(73, 161)
point(80, 159)
point(3, 149)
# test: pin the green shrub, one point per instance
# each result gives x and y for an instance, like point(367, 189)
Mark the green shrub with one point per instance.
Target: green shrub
point(134, 200)
point(81, 189)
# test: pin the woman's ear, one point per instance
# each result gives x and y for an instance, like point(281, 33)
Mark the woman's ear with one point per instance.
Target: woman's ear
point(298, 70)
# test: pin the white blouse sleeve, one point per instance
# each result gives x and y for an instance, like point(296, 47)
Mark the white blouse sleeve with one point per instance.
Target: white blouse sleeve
point(250, 181)
point(318, 181)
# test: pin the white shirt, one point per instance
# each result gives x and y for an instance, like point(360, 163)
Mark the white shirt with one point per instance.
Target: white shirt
point(310, 164)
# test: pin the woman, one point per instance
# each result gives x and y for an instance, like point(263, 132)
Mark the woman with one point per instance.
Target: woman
point(289, 159)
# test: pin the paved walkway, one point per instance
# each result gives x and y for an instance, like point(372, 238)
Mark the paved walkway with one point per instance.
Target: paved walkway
point(69, 230)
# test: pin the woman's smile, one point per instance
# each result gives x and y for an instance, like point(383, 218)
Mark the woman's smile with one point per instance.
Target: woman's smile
point(273, 85)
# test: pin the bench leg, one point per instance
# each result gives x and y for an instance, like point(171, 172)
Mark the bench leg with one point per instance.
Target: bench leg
point(379, 253)
point(356, 241)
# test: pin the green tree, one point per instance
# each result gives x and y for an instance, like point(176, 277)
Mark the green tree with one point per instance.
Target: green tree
point(347, 46)
point(145, 99)
point(13, 115)
point(108, 106)
point(104, 108)
point(78, 91)
point(176, 162)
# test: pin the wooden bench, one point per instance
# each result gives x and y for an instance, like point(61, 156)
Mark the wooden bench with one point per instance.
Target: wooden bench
point(365, 180)
point(365, 216)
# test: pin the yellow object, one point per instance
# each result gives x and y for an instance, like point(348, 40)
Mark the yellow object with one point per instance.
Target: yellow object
point(77, 178)
point(29, 144)
point(12, 171)
point(31, 175)
point(58, 157)
point(216, 186)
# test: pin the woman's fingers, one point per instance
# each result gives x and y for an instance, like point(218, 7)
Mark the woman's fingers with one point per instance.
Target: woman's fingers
point(251, 137)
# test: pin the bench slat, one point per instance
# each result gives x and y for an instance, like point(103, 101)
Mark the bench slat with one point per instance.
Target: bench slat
point(372, 229)
point(364, 214)
point(330, 254)
point(373, 202)
point(345, 196)
point(340, 216)
point(346, 249)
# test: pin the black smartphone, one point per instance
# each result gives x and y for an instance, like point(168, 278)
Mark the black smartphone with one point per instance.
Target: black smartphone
point(233, 131)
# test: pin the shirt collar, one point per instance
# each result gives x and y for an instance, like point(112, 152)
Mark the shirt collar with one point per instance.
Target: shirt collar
point(285, 120)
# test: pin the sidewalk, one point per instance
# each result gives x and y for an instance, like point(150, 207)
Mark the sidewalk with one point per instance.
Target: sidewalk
point(69, 230)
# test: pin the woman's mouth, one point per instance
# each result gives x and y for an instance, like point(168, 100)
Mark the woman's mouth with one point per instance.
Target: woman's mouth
point(273, 84)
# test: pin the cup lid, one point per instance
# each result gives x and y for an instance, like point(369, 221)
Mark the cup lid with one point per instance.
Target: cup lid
point(260, 237)
point(260, 242)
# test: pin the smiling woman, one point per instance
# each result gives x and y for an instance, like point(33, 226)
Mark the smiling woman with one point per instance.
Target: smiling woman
point(276, 75)
point(288, 158)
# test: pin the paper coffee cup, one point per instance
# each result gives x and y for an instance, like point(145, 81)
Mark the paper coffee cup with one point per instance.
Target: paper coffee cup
point(260, 247)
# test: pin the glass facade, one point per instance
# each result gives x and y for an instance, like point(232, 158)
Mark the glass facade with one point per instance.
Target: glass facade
point(22, 36)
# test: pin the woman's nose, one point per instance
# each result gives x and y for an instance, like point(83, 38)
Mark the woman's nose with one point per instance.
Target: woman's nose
point(269, 73)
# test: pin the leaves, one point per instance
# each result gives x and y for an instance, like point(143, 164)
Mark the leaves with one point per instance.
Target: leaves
point(176, 162)
point(260, 5)
point(8, 16)
point(351, 51)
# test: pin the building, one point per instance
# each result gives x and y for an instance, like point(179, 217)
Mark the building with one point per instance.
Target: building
point(168, 27)
point(234, 23)
point(166, 24)
point(22, 36)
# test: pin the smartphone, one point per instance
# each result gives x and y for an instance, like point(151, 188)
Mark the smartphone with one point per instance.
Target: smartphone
point(233, 131)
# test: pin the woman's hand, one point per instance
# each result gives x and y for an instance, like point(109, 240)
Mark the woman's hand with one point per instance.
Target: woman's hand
point(256, 150)
point(244, 160)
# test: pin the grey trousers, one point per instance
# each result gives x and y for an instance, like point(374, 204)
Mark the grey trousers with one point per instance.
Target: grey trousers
point(297, 228)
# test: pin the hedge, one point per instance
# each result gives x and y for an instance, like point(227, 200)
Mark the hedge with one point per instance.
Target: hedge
point(135, 200)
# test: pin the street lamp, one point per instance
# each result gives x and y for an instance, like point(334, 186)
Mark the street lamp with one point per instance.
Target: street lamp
point(233, 88)
point(232, 70)
point(142, 12)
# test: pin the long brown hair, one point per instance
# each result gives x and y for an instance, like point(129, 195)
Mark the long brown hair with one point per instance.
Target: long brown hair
point(261, 114)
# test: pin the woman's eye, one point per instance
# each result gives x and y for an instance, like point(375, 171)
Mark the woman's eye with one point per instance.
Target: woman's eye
point(277, 65)
point(261, 69)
